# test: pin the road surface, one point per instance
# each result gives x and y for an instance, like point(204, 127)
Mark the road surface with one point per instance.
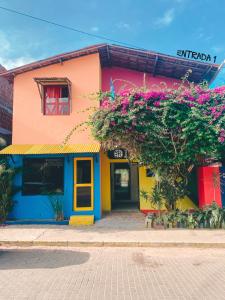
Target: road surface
point(112, 273)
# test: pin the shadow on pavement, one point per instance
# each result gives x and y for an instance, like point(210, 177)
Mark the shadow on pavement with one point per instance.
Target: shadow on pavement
point(40, 259)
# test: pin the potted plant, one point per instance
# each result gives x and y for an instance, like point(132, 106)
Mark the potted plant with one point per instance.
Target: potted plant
point(223, 218)
point(158, 222)
point(201, 218)
point(165, 219)
point(171, 217)
point(56, 203)
point(191, 221)
point(181, 219)
point(214, 216)
point(149, 220)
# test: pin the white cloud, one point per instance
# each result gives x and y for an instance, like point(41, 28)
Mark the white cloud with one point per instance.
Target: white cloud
point(10, 63)
point(166, 19)
point(4, 42)
point(6, 51)
point(95, 28)
point(123, 25)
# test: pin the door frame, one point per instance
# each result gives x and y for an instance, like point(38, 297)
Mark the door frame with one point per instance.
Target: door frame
point(76, 185)
point(112, 182)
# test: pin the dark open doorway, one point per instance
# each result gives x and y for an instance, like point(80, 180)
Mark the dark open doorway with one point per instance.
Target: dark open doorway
point(124, 186)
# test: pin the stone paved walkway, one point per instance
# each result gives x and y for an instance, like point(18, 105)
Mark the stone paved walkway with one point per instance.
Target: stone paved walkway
point(112, 273)
point(125, 220)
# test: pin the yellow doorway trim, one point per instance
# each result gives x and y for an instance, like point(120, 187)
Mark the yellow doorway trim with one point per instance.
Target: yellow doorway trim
point(77, 185)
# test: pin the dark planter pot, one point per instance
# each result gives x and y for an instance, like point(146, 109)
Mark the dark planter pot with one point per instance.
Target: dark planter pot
point(59, 217)
point(175, 224)
point(170, 225)
point(166, 225)
point(181, 225)
point(158, 226)
point(201, 225)
point(206, 224)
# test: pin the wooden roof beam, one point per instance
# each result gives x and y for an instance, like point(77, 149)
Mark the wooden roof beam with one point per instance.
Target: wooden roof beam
point(155, 66)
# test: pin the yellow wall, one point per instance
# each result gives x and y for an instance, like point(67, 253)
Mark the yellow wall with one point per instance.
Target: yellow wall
point(145, 184)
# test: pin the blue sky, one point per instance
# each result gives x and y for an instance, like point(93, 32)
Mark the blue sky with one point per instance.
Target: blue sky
point(159, 25)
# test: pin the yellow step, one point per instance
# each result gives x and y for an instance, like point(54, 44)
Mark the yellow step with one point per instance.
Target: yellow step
point(81, 220)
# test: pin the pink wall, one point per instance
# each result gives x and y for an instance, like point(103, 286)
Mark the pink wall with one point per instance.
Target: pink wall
point(133, 76)
point(30, 126)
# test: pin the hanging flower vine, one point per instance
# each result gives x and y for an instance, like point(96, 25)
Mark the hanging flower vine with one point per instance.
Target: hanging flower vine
point(170, 130)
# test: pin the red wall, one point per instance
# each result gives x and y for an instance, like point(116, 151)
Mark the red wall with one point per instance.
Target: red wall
point(209, 186)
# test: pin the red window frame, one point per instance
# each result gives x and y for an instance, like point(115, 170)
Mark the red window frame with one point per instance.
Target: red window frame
point(54, 103)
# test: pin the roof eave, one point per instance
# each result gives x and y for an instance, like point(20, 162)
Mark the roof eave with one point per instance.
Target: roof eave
point(151, 62)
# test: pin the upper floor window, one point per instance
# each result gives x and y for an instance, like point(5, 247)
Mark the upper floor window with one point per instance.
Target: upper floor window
point(56, 100)
point(55, 95)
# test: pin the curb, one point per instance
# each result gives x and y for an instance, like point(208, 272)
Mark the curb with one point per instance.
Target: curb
point(110, 244)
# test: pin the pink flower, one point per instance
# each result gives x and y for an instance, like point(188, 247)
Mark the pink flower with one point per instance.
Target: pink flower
point(199, 89)
point(137, 96)
point(124, 93)
point(191, 98)
point(191, 105)
point(134, 122)
point(113, 107)
point(219, 90)
point(221, 139)
point(156, 103)
point(186, 93)
point(154, 95)
point(139, 103)
point(202, 99)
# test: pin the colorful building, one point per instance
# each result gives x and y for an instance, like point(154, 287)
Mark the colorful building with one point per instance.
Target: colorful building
point(219, 170)
point(5, 108)
point(51, 98)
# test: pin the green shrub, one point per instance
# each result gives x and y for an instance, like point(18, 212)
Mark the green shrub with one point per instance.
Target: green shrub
point(7, 189)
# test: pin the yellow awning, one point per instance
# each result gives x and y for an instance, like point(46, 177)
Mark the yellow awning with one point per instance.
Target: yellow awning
point(51, 149)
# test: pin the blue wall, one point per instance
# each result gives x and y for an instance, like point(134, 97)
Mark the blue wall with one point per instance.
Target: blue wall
point(38, 206)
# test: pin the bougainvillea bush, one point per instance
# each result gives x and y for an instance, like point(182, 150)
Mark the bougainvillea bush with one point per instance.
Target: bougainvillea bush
point(169, 129)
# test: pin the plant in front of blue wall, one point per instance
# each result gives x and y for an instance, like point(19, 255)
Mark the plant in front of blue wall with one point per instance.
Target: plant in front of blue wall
point(56, 203)
point(7, 189)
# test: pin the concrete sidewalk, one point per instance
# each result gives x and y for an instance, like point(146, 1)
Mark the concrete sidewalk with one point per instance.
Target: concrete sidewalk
point(43, 235)
point(118, 229)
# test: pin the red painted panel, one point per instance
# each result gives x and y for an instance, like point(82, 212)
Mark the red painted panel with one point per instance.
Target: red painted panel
point(209, 185)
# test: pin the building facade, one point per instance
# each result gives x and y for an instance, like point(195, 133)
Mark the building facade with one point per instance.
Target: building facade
point(52, 98)
point(5, 108)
